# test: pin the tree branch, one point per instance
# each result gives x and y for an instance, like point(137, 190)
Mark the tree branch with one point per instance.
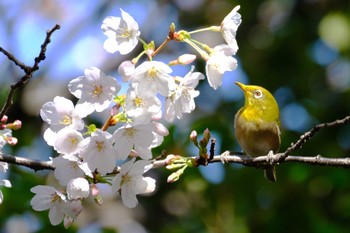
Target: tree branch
point(309, 134)
point(36, 165)
point(27, 69)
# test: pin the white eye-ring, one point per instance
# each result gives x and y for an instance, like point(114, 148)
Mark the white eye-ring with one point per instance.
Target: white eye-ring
point(257, 94)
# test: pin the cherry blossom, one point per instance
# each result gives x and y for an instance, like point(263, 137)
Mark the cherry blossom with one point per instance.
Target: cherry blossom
point(153, 77)
point(220, 61)
point(60, 114)
point(182, 100)
point(229, 28)
point(94, 90)
point(67, 141)
point(130, 182)
point(69, 166)
point(97, 152)
point(129, 137)
point(122, 33)
point(47, 197)
point(141, 108)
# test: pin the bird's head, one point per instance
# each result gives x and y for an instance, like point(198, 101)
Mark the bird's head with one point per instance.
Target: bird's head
point(259, 100)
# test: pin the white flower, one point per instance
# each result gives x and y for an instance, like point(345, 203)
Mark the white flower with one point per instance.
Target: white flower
point(68, 167)
point(182, 100)
point(229, 28)
point(122, 33)
point(126, 69)
point(98, 153)
point(130, 182)
point(4, 135)
point(47, 197)
point(220, 61)
point(67, 141)
point(78, 188)
point(153, 77)
point(141, 108)
point(60, 114)
point(94, 90)
point(138, 137)
point(6, 183)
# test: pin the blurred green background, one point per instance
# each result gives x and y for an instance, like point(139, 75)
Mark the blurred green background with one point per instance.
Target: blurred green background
point(299, 50)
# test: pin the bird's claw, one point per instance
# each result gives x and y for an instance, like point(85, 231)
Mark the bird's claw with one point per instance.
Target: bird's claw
point(224, 156)
point(271, 158)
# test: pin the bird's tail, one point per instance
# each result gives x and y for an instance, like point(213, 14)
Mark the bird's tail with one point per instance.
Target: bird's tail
point(270, 173)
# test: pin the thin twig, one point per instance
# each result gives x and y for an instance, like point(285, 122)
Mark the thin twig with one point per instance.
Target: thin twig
point(309, 134)
point(27, 69)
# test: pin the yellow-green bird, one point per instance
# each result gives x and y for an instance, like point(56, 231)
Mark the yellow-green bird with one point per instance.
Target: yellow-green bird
point(257, 124)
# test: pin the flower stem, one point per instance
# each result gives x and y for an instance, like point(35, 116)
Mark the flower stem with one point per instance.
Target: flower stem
point(165, 42)
point(212, 28)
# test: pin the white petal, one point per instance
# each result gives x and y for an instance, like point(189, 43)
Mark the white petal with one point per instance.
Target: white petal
point(129, 197)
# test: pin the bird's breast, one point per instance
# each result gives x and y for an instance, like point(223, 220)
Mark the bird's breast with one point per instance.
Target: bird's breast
point(257, 137)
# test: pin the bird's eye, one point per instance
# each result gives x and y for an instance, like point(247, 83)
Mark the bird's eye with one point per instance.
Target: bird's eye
point(257, 94)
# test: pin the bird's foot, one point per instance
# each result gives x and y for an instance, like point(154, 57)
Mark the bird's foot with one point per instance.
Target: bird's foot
point(224, 156)
point(271, 158)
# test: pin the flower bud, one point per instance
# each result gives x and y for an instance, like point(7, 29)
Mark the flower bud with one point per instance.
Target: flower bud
point(78, 188)
point(173, 177)
point(4, 119)
point(17, 124)
point(94, 190)
point(193, 137)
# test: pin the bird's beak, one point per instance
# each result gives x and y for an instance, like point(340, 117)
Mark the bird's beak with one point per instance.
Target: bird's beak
point(242, 86)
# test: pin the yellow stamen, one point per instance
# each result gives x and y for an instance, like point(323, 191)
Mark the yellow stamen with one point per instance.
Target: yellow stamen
point(138, 102)
point(97, 91)
point(66, 120)
point(129, 132)
point(152, 73)
point(100, 146)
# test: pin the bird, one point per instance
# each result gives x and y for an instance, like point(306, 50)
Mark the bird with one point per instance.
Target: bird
point(257, 125)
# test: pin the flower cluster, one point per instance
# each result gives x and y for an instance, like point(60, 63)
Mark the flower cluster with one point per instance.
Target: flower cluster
point(7, 138)
point(88, 154)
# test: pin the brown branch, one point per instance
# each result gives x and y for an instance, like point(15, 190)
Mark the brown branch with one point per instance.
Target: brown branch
point(36, 165)
point(27, 69)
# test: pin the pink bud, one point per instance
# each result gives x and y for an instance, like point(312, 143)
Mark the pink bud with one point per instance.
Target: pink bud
point(173, 177)
point(17, 124)
point(169, 159)
point(4, 119)
point(193, 135)
point(94, 190)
